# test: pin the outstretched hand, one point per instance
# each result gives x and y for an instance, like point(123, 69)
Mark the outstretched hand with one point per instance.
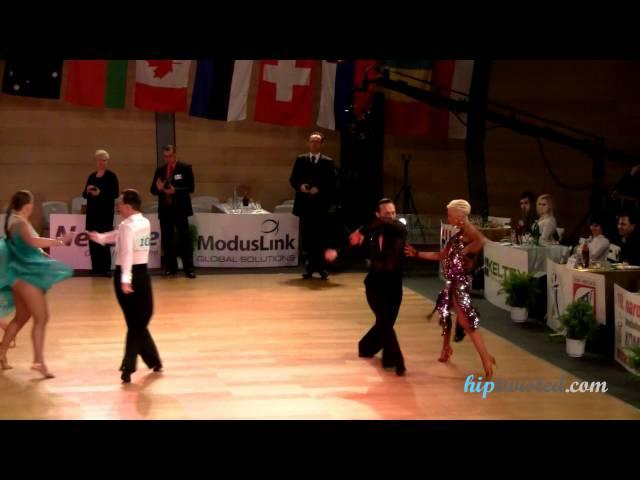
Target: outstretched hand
point(410, 251)
point(330, 255)
point(356, 238)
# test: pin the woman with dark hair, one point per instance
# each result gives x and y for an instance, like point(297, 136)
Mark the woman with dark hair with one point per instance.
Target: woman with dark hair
point(26, 273)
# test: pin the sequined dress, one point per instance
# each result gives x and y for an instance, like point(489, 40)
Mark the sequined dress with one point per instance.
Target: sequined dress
point(458, 286)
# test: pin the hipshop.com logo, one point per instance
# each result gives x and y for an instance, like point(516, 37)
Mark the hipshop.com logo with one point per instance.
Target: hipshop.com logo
point(485, 387)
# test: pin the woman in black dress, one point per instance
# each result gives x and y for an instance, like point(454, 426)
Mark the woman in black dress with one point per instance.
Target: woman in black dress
point(101, 191)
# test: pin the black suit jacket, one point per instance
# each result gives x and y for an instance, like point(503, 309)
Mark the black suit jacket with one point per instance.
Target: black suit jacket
point(321, 175)
point(182, 181)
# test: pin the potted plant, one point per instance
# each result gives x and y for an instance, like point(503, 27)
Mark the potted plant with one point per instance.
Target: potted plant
point(579, 324)
point(634, 358)
point(522, 290)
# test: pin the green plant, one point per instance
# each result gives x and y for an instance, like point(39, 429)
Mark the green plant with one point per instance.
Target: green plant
point(578, 321)
point(521, 288)
point(634, 357)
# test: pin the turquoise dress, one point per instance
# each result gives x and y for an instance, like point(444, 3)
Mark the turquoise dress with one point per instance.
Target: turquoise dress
point(21, 261)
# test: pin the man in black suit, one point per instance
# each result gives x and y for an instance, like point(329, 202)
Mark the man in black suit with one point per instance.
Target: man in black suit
point(173, 183)
point(314, 180)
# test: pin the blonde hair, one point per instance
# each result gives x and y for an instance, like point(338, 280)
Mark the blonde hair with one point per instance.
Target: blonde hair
point(461, 205)
point(549, 199)
point(102, 153)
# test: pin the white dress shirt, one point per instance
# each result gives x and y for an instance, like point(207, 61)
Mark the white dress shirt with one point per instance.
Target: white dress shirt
point(132, 239)
point(598, 248)
point(315, 157)
point(548, 225)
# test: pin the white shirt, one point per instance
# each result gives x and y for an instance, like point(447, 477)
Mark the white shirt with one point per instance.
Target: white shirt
point(314, 157)
point(548, 225)
point(132, 239)
point(598, 248)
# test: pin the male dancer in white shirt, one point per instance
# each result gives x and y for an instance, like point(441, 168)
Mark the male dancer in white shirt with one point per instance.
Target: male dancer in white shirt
point(132, 282)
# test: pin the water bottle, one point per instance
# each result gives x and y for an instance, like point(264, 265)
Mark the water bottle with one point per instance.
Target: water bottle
point(234, 202)
point(585, 254)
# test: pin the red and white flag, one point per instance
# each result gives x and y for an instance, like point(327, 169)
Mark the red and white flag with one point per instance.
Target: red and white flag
point(161, 85)
point(285, 92)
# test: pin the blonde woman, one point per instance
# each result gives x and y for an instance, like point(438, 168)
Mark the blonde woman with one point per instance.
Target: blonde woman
point(459, 256)
point(546, 220)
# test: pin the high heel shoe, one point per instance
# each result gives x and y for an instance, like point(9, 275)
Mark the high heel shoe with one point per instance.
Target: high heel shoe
point(43, 370)
point(4, 364)
point(446, 354)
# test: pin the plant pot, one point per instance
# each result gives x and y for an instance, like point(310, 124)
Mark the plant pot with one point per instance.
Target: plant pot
point(519, 314)
point(575, 348)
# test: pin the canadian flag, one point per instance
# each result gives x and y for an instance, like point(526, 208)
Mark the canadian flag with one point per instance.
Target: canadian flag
point(285, 92)
point(161, 85)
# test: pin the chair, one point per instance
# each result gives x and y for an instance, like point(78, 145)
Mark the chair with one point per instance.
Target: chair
point(500, 220)
point(205, 201)
point(614, 253)
point(199, 208)
point(288, 208)
point(150, 208)
point(77, 203)
point(49, 208)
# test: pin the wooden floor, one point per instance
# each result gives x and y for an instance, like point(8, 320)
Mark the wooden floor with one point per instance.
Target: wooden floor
point(268, 347)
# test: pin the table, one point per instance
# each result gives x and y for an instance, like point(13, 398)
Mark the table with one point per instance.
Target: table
point(595, 286)
point(501, 259)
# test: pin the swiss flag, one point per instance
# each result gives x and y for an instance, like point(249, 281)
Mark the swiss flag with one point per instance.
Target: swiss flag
point(285, 92)
point(161, 85)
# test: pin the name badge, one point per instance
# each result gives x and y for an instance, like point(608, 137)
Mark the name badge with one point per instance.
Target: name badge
point(177, 176)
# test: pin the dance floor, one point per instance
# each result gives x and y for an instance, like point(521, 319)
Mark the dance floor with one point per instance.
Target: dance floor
point(270, 346)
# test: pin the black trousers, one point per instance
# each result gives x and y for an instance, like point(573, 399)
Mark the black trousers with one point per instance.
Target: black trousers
point(172, 224)
point(313, 230)
point(100, 254)
point(137, 308)
point(384, 295)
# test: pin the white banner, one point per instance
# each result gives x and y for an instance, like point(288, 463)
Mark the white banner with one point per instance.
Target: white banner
point(566, 285)
point(246, 241)
point(499, 261)
point(77, 254)
point(229, 241)
point(627, 308)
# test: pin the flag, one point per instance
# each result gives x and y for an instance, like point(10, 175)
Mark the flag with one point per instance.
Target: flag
point(285, 92)
point(406, 116)
point(32, 78)
point(96, 83)
point(336, 93)
point(221, 89)
point(363, 98)
point(161, 85)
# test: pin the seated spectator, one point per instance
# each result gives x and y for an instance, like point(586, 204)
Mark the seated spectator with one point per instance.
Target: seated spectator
point(527, 213)
point(546, 220)
point(597, 242)
point(629, 241)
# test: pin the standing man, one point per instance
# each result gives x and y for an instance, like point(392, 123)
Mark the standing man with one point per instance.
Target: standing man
point(384, 240)
point(173, 183)
point(132, 282)
point(314, 180)
point(101, 191)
